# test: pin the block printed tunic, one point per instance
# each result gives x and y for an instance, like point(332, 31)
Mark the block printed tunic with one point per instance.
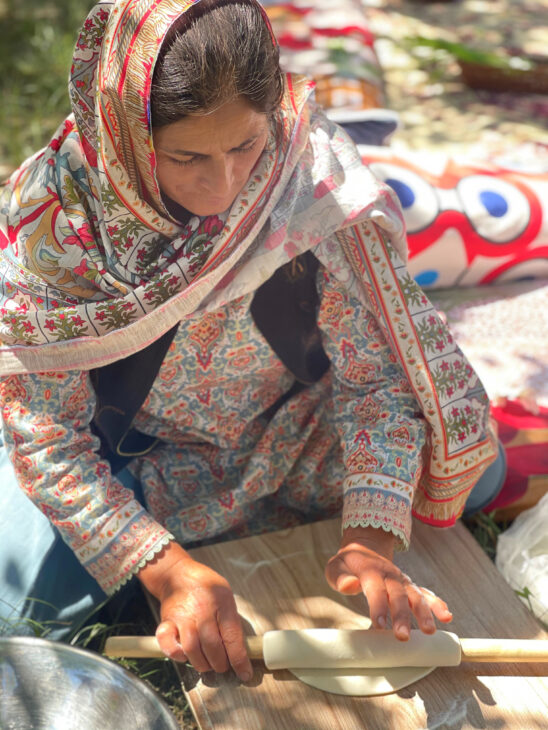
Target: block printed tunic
point(220, 468)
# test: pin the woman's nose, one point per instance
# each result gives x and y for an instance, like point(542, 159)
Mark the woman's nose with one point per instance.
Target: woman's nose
point(219, 178)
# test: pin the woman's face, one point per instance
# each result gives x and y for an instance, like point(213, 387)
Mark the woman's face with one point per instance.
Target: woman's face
point(202, 162)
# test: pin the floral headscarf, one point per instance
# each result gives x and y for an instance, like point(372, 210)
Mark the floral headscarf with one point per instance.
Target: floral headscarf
point(93, 267)
point(88, 247)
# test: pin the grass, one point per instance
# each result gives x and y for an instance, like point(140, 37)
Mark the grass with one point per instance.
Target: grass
point(486, 530)
point(37, 38)
point(127, 613)
point(134, 618)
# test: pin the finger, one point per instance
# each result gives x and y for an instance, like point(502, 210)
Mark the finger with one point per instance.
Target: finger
point(346, 582)
point(212, 646)
point(190, 642)
point(340, 579)
point(233, 640)
point(437, 605)
point(168, 639)
point(399, 608)
point(374, 589)
point(421, 609)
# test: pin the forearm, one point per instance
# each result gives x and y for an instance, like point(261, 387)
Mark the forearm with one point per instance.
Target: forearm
point(157, 574)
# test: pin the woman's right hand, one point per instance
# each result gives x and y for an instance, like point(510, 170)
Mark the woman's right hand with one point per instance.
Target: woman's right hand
point(199, 619)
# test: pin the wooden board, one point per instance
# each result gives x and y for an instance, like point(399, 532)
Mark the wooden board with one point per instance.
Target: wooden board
point(279, 584)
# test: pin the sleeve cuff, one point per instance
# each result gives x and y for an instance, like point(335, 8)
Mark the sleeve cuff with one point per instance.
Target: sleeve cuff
point(380, 501)
point(129, 540)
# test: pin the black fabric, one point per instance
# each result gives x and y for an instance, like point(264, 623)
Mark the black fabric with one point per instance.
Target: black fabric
point(121, 389)
point(284, 309)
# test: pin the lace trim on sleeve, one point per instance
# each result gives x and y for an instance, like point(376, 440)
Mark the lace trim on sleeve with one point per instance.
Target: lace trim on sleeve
point(129, 540)
point(156, 550)
point(379, 501)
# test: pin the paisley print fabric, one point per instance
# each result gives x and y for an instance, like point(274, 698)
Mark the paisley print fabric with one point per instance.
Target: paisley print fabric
point(352, 441)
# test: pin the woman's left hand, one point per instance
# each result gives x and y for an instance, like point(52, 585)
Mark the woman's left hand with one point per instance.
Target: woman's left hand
point(363, 563)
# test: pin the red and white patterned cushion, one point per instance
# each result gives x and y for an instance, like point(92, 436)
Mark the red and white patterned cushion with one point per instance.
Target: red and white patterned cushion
point(469, 223)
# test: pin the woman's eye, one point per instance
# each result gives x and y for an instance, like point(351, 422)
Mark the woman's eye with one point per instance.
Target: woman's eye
point(245, 149)
point(197, 158)
point(184, 163)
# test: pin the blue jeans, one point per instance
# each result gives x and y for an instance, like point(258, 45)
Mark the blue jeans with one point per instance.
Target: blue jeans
point(42, 584)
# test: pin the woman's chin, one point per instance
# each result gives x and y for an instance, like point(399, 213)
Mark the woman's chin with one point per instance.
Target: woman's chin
point(207, 212)
point(183, 210)
point(203, 211)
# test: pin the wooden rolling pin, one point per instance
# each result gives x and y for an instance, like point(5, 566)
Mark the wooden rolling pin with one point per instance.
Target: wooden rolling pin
point(364, 648)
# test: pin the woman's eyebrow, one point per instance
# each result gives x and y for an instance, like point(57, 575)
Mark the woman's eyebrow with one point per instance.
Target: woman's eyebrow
point(201, 154)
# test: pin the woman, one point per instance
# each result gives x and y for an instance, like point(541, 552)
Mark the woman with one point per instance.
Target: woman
point(204, 299)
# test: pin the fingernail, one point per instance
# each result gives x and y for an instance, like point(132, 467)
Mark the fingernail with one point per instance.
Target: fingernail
point(403, 631)
point(246, 676)
point(381, 621)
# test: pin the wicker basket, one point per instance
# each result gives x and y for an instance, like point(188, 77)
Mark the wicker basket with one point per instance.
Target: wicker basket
point(493, 78)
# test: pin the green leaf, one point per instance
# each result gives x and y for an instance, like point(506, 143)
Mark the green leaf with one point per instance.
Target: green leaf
point(467, 54)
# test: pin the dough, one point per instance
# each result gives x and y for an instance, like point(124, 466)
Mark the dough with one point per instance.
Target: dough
point(359, 661)
point(362, 682)
point(347, 648)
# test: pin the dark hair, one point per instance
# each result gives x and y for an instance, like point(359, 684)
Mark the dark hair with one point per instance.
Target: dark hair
point(217, 51)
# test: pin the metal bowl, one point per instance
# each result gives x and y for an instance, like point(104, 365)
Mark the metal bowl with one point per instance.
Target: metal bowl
point(45, 685)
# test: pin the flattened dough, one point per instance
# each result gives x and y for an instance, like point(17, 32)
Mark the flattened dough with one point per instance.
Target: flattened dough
point(361, 682)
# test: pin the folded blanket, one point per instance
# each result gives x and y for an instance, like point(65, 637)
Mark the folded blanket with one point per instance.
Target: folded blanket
point(332, 43)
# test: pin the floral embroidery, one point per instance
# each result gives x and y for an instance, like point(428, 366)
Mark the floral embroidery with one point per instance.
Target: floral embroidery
point(200, 244)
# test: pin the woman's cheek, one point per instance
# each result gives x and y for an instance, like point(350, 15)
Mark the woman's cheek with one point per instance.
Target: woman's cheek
point(180, 181)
